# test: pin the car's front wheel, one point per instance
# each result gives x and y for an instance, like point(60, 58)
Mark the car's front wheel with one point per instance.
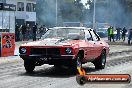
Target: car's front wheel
point(100, 61)
point(129, 42)
point(57, 66)
point(76, 64)
point(29, 66)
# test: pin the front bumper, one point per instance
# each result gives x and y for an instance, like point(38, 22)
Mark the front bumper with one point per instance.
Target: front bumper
point(49, 59)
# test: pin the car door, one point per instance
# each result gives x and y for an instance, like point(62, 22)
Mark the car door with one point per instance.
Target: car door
point(97, 45)
point(89, 46)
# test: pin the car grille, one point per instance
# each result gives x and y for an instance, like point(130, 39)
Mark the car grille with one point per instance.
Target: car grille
point(45, 51)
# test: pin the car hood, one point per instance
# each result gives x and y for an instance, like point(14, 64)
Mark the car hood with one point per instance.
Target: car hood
point(52, 42)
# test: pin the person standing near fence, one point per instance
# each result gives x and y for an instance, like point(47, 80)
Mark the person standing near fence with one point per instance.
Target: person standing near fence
point(34, 32)
point(124, 31)
point(20, 36)
point(130, 36)
point(118, 33)
point(17, 33)
point(111, 34)
point(24, 32)
point(44, 29)
point(28, 32)
point(108, 33)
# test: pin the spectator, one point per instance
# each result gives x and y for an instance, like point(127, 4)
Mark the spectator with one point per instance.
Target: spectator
point(124, 34)
point(34, 32)
point(41, 31)
point(44, 29)
point(38, 33)
point(17, 33)
point(130, 36)
point(20, 30)
point(28, 32)
point(24, 30)
point(111, 33)
point(118, 34)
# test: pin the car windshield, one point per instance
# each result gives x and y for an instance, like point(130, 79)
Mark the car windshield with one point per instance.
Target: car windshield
point(65, 33)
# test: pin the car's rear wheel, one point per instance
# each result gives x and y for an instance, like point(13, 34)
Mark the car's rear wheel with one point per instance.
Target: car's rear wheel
point(100, 61)
point(29, 66)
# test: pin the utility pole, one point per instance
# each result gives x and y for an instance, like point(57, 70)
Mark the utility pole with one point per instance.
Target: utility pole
point(56, 12)
point(94, 12)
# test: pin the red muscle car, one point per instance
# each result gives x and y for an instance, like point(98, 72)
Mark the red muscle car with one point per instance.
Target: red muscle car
point(65, 46)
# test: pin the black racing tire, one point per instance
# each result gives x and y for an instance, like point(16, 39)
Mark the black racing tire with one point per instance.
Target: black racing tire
point(29, 66)
point(100, 62)
point(129, 42)
point(76, 63)
point(57, 66)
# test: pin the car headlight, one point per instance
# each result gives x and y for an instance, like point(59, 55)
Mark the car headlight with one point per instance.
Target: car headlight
point(23, 50)
point(68, 50)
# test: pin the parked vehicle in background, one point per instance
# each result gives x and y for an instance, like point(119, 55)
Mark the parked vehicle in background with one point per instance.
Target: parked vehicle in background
point(102, 32)
point(65, 46)
point(71, 24)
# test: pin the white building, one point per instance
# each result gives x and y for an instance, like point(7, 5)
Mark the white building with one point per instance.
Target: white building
point(7, 17)
point(16, 11)
point(25, 11)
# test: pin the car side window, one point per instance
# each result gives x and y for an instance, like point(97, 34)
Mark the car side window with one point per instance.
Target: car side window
point(88, 36)
point(98, 38)
point(94, 36)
